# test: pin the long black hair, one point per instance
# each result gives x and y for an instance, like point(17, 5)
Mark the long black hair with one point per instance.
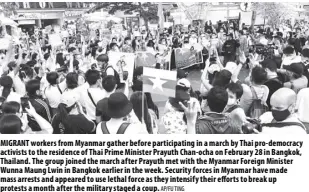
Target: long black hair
point(136, 100)
point(63, 111)
point(10, 124)
point(7, 83)
point(151, 104)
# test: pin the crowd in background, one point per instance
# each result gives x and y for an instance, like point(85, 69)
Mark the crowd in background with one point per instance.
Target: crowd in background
point(72, 89)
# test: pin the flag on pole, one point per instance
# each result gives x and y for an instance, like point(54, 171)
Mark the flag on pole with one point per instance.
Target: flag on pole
point(145, 59)
point(161, 16)
point(161, 82)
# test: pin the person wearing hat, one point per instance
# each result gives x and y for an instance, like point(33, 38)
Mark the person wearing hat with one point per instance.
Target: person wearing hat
point(273, 81)
point(174, 119)
point(297, 80)
point(289, 56)
point(122, 120)
point(71, 118)
point(183, 93)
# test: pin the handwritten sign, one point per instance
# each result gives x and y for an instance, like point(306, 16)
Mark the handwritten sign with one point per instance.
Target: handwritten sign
point(122, 60)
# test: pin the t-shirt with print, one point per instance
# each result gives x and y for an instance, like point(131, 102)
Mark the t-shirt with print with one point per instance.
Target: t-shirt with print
point(42, 109)
point(215, 123)
point(174, 123)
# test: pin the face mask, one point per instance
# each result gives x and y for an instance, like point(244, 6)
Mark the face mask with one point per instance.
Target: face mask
point(280, 115)
point(231, 102)
point(204, 106)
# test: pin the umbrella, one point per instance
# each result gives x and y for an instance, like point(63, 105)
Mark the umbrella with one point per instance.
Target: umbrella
point(7, 21)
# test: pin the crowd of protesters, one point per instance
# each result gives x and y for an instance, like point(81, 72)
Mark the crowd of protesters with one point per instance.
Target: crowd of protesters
point(72, 89)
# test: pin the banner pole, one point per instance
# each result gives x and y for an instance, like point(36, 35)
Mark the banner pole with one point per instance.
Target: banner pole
point(143, 115)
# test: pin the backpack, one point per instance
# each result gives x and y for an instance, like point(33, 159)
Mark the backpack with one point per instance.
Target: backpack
point(232, 108)
point(257, 107)
point(255, 124)
point(122, 129)
point(116, 75)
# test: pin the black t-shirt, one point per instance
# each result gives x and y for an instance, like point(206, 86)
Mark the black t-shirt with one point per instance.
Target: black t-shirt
point(100, 113)
point(79, 125)
point(42, 108)
point(273, 85)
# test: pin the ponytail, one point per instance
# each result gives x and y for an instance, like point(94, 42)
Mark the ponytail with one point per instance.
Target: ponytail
point(6, 92)
point(64, 113)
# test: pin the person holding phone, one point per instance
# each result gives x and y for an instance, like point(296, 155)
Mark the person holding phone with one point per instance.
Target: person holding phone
point(13, 121)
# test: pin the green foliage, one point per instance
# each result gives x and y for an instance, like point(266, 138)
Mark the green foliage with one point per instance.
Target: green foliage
point(8, 8)
point(275, 12)
point(146, 10)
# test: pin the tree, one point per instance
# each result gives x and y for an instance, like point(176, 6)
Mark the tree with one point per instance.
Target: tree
point(146, 10)
point(7, 8)
point(275, 12)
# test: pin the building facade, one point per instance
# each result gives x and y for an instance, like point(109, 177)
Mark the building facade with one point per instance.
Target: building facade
point(42, 14)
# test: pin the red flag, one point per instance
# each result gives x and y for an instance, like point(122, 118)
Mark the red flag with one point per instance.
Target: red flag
point(145, 59)
point(161, 82)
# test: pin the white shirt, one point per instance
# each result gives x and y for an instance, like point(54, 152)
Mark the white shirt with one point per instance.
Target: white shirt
point(97, 94)
point(13, 97)
point(290, 60)
point(134, 128)
point(302, 104)
point(268, 118)
point(19, 85)
point(53, 95)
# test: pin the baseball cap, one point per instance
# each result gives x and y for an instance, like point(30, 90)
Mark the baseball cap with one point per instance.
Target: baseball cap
point(69, 98)
point(185, 83)
point(182, 87)
point(297, 68)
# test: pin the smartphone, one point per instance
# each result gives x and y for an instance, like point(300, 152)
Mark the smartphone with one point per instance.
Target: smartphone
point(2, 100)
point(24, 103)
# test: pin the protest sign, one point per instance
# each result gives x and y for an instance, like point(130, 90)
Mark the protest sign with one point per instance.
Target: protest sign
point(106, 34)
point(124, 60)
point(145, 59)
point(187, 57)
point(55, 40)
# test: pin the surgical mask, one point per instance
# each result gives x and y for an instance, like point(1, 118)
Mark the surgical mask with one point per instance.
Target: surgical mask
point(280, 115)
point(204, 106)
point(231, 101)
